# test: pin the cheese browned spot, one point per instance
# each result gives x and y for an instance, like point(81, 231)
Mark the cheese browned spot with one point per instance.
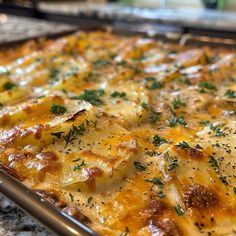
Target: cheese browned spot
point(191, 153)
point(164, 227)
point(198, 196)
point(155, 208)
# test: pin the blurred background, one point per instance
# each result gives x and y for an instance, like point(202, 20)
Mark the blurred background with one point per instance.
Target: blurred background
point(197, 17)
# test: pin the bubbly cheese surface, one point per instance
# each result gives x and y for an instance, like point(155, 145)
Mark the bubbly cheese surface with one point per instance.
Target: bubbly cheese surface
point(138, 135)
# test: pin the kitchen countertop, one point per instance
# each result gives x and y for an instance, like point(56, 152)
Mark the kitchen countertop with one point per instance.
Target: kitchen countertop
point(14, 221)
point(198, 18)
point(14, 28)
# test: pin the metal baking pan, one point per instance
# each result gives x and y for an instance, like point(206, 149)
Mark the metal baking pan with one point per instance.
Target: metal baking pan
point(57, 221)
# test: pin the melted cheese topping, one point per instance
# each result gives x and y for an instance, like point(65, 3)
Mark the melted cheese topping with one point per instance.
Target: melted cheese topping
point(140, 136)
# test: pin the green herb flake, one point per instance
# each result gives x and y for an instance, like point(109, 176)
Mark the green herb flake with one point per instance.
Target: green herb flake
point(176, 121)
point(223, 179)
point(89, 199)
point(78, 167)
point(230, 94)
point(177, 103)
point(173, 164)
point(74, 132)
point(183, 145)
point(58, 109)
point(118, 94)
point(91, 96)
point(155, 117)
point(8, 86)
point(158, 140)
point(144, 105)
point(207, 85)
point(156, 85)
point(156, 181)
point(57, 134)
point(215, 128)
point(125, 233)
point(54, 73)
point(234, 190)
point(179, 211)
point(79, 130)
point(101, 63)
point(139, 166)
point(183, 81)
point(213, 162)
point(71, 197)
point(160, 194)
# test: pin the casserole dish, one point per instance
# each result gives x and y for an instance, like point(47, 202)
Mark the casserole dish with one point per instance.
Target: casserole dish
point(130, 135)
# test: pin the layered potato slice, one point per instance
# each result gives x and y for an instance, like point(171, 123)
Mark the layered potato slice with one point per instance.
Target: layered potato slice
point(102, 156)
point(35, 122)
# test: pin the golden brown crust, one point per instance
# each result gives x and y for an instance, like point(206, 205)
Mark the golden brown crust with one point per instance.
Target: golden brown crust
point(198, 196)
point(130, 135)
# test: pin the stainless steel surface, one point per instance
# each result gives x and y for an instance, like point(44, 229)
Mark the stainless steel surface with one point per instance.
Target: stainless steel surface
point(55, 220)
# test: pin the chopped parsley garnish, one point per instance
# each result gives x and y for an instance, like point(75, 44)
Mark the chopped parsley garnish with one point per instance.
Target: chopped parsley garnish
point(125, 233)
point(179, 211)
point(58, 109)
point(139, 166)
point(218, 132)
point(78, 167)
point(118, 94)
point(213, 162)
point(156, 85)
point(89, 199)
point(158, 140)
point(57, 134)
point(91, 96)
point(72, 71)
point(69, 137)
point(79, 130)
point(234, 190)
point(53, 73)
point(156, 181)
point(204, 122)
point(155, 117)
point(135, 69)
point(74, 131)
point(177, 103)
point(71, 197)
point(183, 145)
point(176, 121)
point(230, 94)
point(215, 128)
point(144, 105)
point(160, 194)
point(75, 160)
point(224, 180)
point(8, 86)
point(183, 80)
point(173, 164)
point(100, 63)
point(207, 85)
